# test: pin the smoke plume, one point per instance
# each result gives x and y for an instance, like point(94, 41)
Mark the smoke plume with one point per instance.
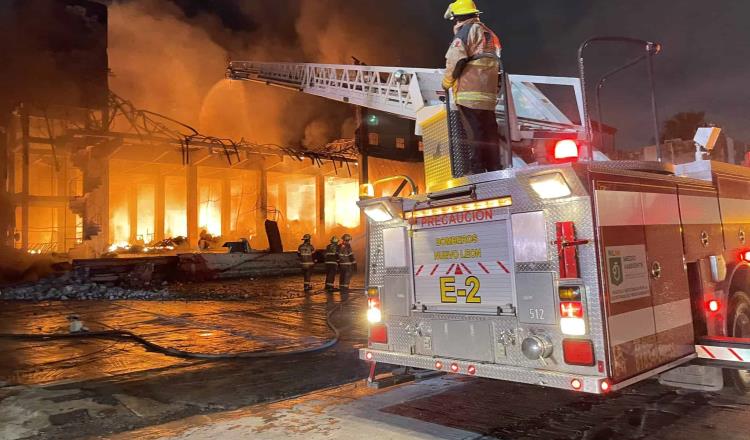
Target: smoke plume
point(171, 63)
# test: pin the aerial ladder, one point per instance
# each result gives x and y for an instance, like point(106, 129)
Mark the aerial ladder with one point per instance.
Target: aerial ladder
point(417, 94)
point(564, 270)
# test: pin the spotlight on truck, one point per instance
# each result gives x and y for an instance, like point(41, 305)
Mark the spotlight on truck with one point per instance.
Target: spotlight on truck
point(378, 213)
point(550, 186)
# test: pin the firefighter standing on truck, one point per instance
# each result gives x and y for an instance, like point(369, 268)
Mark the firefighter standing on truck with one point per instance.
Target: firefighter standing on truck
point(472, 71)
point(332, 263)
point(346, 263)
point(305, 252)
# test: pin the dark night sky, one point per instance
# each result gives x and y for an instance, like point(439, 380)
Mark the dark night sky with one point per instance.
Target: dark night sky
point(704, 66)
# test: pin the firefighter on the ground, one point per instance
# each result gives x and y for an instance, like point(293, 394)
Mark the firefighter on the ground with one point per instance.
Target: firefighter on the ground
point(346, 263)
point(332, 263)
point(472, 71)
point(305, 252)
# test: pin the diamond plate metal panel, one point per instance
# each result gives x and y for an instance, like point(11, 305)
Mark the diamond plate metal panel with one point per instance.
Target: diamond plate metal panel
point(535, 267)
point(408, 336)
point(437, 159)
point(461, 153)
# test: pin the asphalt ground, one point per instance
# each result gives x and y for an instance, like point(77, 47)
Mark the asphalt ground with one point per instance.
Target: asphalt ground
point(91, 388)
point(65, 389)
point(454, 407)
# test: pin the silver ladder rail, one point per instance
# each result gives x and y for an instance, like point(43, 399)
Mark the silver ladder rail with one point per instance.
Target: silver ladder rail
point(401, 91)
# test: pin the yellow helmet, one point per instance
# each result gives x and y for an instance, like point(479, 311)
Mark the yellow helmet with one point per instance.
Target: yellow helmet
point(461, 7)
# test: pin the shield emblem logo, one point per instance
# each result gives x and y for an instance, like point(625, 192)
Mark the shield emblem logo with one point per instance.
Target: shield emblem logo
point(616, 277)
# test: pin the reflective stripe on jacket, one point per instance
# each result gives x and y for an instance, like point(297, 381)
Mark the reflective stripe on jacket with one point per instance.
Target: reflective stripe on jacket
point(306, 251)
point(473, 65)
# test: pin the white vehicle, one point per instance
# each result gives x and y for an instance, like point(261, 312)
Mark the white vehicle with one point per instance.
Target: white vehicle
point(569, 273)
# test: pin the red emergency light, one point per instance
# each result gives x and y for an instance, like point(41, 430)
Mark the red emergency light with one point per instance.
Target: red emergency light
point(745, 256)
point(566, 149)
point(713, 306)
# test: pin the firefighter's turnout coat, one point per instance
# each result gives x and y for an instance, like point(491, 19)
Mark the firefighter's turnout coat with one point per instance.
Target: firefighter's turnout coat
point(305, 252)
point(473, 65)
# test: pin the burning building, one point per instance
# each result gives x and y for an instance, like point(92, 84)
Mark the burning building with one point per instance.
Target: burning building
point(85, 171)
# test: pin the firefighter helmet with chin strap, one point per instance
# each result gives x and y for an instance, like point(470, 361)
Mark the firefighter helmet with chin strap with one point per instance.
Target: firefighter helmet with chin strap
point(461, 7)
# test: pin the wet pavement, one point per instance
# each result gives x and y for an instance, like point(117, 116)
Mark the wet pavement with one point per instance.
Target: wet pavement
point(98, 388)
point(453, 407)
point(88, 387)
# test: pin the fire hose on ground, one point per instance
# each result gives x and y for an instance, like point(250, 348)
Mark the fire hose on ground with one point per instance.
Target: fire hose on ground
point(128, 336)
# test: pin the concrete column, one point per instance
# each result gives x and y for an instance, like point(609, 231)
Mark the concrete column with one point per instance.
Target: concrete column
point(192, 205)
point(281, 203)
point(262, 213)
point(160, 208)
point(6, 182)
point(133, 212)
point(25, 183)
point(226, 207)
point(320, 187)
point(103, 210)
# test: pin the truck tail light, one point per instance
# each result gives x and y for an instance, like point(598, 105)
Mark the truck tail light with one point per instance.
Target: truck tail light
point(566, 150)
point(572, 313)
point(379, 334)
point(576, 384)
point(745, 256)
point(578, 352)
point(713, 306)
point(571, 309)
point(573, 326)
point(374, 315)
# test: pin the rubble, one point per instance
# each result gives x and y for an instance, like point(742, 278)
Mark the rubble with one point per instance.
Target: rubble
point(69, 288)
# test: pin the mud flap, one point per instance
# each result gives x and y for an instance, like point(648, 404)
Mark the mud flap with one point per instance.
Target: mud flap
point(694, 377)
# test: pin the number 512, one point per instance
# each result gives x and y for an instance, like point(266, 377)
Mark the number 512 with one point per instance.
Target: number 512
point(449, 294)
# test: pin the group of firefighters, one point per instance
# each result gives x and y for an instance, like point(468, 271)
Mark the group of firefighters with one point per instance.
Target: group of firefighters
point(339, 259)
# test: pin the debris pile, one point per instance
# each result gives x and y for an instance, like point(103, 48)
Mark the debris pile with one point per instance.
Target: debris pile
point(68, 287)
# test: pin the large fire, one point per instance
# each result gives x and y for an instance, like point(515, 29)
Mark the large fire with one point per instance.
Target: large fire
point(294, 200)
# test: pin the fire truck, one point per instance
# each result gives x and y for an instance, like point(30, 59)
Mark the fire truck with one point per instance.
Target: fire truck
point(565, 269)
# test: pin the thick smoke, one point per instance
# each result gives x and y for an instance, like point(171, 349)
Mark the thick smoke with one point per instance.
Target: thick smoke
point(170, 63)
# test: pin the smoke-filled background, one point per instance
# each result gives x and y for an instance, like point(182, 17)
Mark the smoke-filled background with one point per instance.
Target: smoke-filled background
point(168, 56)
point(170, 59)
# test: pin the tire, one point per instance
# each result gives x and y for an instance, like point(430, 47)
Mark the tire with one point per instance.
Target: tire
point(739, 327)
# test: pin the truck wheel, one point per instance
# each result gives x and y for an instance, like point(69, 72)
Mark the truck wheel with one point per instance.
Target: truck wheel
point(739, 327)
